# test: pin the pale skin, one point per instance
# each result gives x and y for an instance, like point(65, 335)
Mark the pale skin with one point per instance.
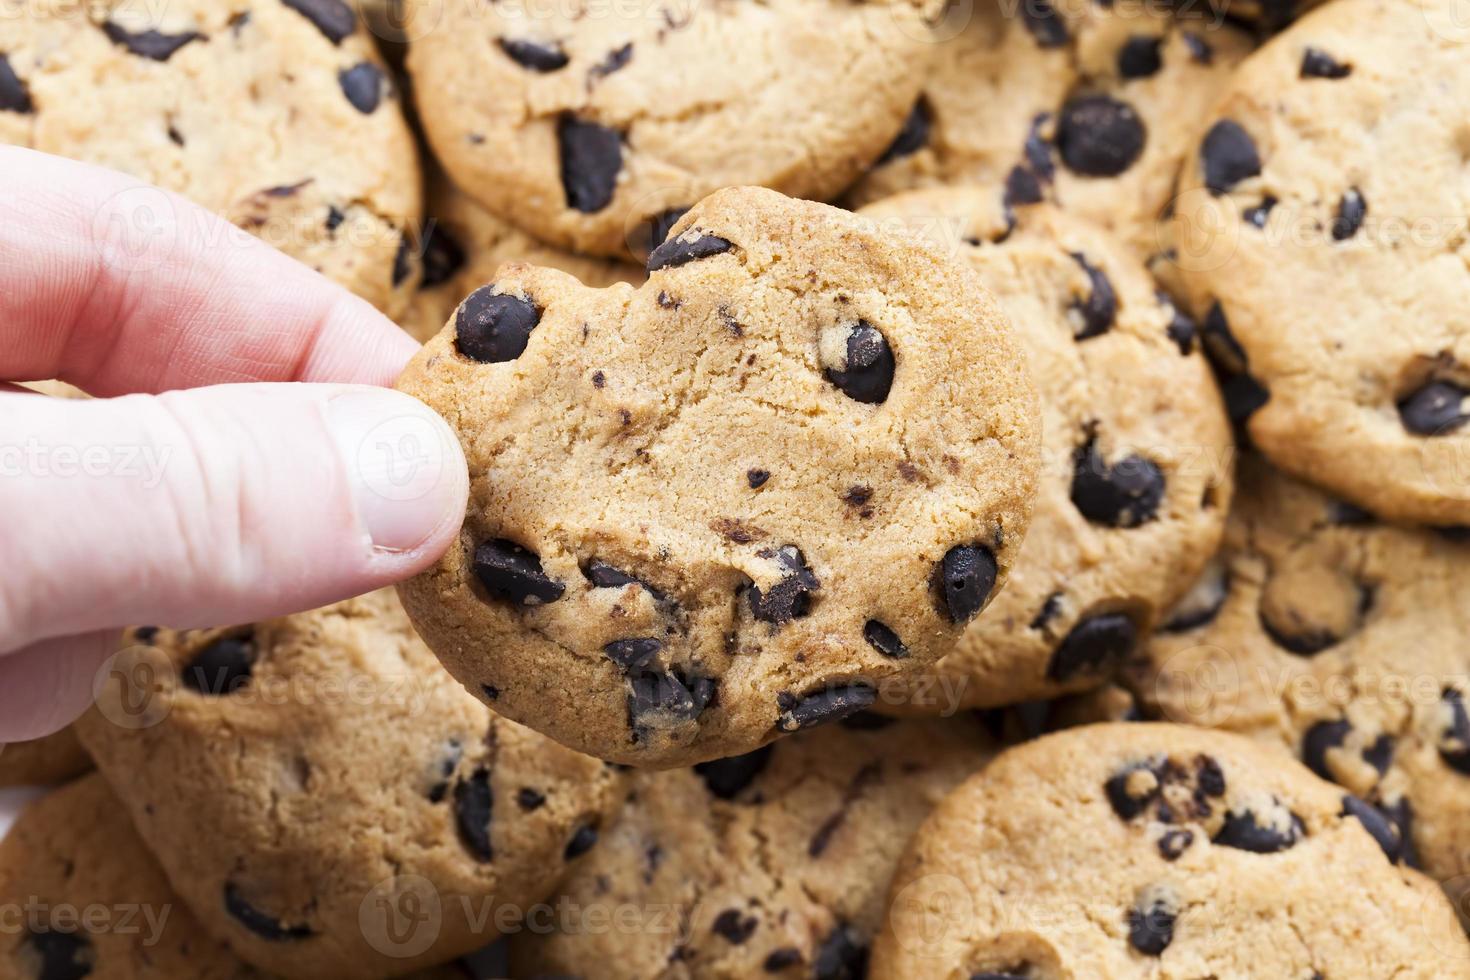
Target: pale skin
point(206, 485)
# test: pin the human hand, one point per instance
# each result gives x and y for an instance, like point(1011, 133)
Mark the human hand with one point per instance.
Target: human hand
point(203, 488)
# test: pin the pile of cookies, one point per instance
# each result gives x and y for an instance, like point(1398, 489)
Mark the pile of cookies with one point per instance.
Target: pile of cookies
point(956, 490)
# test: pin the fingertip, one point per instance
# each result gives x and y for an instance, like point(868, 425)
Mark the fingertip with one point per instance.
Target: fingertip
point(46, 686)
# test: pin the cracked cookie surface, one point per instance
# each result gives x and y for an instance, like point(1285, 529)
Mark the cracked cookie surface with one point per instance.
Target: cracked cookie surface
point(732, 502)
point(1138, 453)
point(1321, 231)
point(1144, 850)
point(1094, 105)
point(276, 115)
point(339, 772)
point(594, 128)
point(770, 864)
point(1341, 640)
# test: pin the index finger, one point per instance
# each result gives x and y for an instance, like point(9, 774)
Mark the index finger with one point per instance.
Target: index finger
point(117, 286)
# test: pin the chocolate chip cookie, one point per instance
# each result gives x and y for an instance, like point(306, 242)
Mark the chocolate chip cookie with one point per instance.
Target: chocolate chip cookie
point(276, 114)
point(1319, 235)
point(1091, 106)
point(43, 761)
point(727, 504)
point(1342, 640)
point(595, 127)
point(1158, 850)
point(328, 800)
point(85, 898)
point(463, 247)
point(1137, 448)
point(770, 864)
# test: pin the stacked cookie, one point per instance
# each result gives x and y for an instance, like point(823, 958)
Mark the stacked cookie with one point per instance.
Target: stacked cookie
point(955, 491)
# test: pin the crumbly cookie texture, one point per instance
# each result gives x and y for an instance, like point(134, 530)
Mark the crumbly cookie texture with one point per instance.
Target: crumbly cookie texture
point(43, 761)
point(1320, 235)
point(1119, 851)
point(732, 502)
point(464, 246)
point(1090, 106)
point(74, 852)
point(275, 114)
point(1137, 450)
point(349, 788)
point(771, 864)
point(1341, 640)
point(594, 128)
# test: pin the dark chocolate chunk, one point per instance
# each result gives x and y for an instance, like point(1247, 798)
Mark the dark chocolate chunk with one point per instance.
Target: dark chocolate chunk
point(333, 18)
point(757, 478)
point(781, 959)
point(1242, 831)
point(1229, 156)
point(402, 262)
point(534, 55)
point(790, 597)
point(1139, 56)
point(448, 762)
point(1125, 494)
point(616, 60)
point(508, 571)
point(1199, 49)
point(734, 927)
point(493, 327)
point(682, 250)
point(726, 778)
point(914, 135)
point(831, 704)
point(868, 375)
point(149, 44)
point(884, 640)
point(591, 158)
point(634, 654)
point(1318, 739)
point(444, 256)
point(363, 86)
point(1022, 187)
point(530, 799)
point(262, 924)
point(843, 955)
point(1257, 216)
point(654, 231)
point(656, 698)
point(1049, 611)
point(15, 96)
point(1436, 409)
point(1099, 136)
point(59, 955)
point(1151, 927)
point(473, 802)
point(964, 579)
point(1351, 210)
point(1454, 739)
point(1317, 63)
point(1124, 800)
point(1093, 647)
point(222, 667)
point(1378, 824)
point(1181, 329)
point(1173, 843)
point(1094, 314)
point(583, 838)
point(1045, 24)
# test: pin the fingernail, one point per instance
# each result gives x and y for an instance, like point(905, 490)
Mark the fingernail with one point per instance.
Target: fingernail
point(405, 465)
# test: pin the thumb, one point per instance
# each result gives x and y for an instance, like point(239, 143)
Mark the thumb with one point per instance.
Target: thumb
point(216, 505)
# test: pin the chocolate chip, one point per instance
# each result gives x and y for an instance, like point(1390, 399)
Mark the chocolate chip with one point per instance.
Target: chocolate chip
point(335, 217)
point(1139, 56)
point(1380, 753)
point(1095, 314)
point(333, 18)
point(530, 799)
point(781, 959)
point(654, 230)
point(145, 634)
point(402, 262)
point(591, 157)
point(1229, 156)
point(1378, 825)
point(474, 799)
point(656, 698)
point(884, 640)
point(1202, 603)
point(493, 327)
point(1125, 494)
point(1093, 647)
point(582, 841)
point(1351, 210)
point(726, 778)
point(831, 704)
point(1124, 797)
point(1182, 328)
point(1174, 843)
point(682, 250)
point(1044, 23)
point(443, 256)
point(842, 956)
point(508, 571)
point(149, 44)
point(1244, 395)
point(616, 60)
point(633, 654)
point(222, 667)
point(363, 86)
point(1319, 64)
point(1151, 925)
point(1209, 777)
point(60, 955)
point(734, 927)
point(449, 761)
point(1257, 216)
point(1099, 136)
point(1318, 739)
point(534, 55)
point(1436, 409)
point(757, 478)
point(1199, 49)
point(1343, 514)
point(15, 96)
point(964, 579)
point(492, 693)
point(262, 924)
point(1037, 150)
point(914, 135)
point(790, 597)
point(1454, 739)
point(1022, 187)
point(1242, 831)
point(868, 374)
